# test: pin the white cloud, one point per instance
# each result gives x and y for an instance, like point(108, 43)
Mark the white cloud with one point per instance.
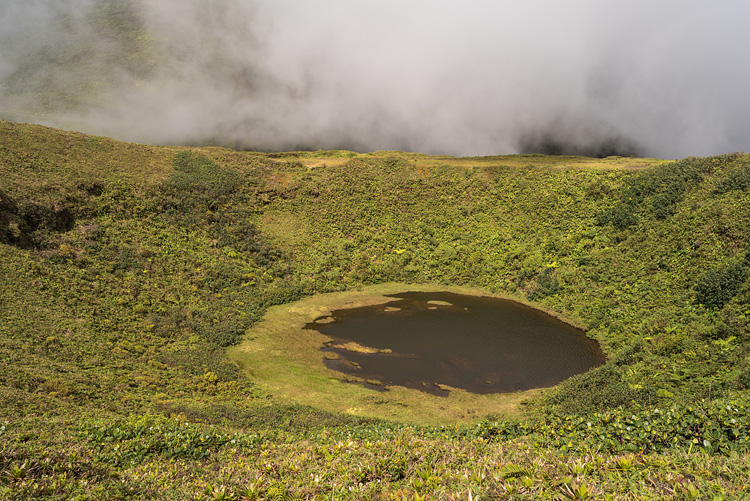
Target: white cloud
point(469, 78)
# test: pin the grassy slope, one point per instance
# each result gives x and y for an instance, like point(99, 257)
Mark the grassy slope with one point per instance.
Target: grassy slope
point(127, 309)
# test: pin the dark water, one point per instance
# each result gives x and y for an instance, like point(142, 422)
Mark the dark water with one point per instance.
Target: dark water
point(480, 344)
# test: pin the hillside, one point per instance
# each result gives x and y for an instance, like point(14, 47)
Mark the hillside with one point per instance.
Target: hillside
point(129, 270)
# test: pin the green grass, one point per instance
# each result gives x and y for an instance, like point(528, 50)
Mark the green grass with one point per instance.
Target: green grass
point(131, 273)
point(287, 358)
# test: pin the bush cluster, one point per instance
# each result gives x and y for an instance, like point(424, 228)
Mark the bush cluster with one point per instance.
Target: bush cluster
point(26, 224)
point(598, 389)
point(656, 191)
point(546, 284)
point(719, 427)
point(737, 179)
point(198, 185)
point(134, 440)
point(717, 286)
point(222, 332)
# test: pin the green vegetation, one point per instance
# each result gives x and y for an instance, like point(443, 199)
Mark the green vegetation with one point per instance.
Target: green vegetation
point(737, 179)
point(717, 286)
point(131, 274)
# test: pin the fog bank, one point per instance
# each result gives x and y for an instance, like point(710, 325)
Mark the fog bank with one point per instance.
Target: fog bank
point(665, 79)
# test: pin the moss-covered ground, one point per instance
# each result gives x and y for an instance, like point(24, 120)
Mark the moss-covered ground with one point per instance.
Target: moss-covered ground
point(131, 273)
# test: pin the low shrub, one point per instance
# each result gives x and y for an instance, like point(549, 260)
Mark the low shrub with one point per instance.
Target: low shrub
point(663, 186)
point(737, 179)
point(198, 184)
point(199, 358)
point(28, 224)
point(445, 253)
point(598, 389)
point(717, 286)
point(137, 439)
point(743, 379)
point(718, 427)
point(546, 284)
point(664, 204)
point(224, 332)
point(620, 216)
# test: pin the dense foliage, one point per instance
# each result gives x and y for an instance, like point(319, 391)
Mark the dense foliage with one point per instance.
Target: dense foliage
point(127, 270)
point(717, 286)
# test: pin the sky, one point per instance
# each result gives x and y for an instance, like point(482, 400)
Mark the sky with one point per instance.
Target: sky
point(657, 78)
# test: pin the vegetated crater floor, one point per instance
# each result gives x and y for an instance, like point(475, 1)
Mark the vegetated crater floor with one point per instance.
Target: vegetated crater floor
point(286, 356)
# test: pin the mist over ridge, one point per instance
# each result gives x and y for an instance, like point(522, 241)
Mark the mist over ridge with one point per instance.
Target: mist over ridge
point(664, 79)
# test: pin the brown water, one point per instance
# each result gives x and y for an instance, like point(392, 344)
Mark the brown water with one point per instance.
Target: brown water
point(479, 344)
